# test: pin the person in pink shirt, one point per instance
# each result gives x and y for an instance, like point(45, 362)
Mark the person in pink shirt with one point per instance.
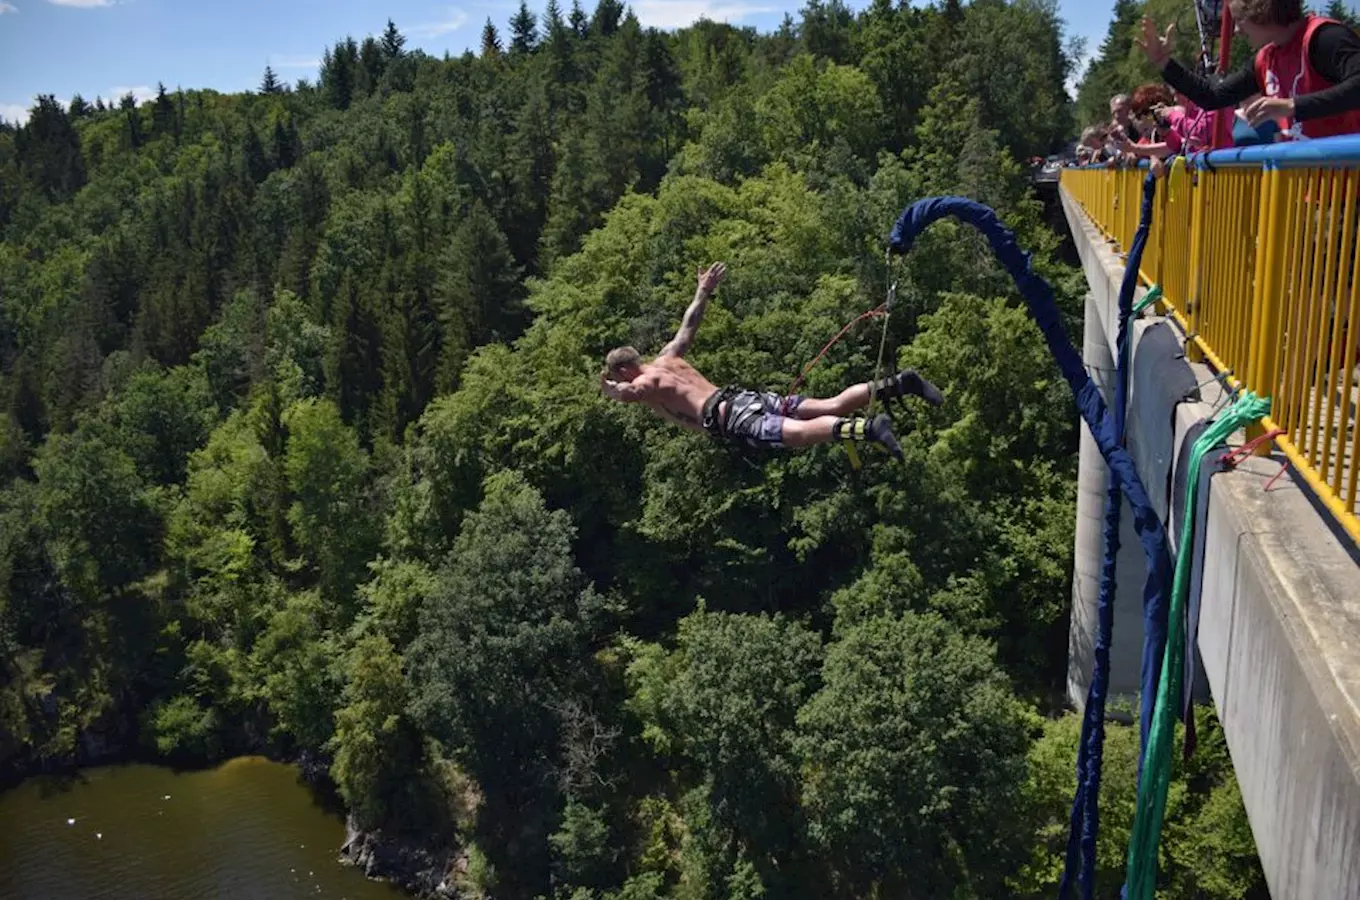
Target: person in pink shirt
point(1188, 126)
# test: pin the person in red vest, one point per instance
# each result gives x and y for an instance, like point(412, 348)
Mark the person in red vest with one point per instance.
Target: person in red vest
point(1306, 69)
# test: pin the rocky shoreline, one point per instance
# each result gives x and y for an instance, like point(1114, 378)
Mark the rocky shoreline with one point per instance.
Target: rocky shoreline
point(426, 872)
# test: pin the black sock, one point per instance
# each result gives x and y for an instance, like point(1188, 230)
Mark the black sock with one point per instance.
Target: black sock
point(907, 382)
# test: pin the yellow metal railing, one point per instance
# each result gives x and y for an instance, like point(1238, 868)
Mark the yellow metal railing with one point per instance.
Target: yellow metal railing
point(1256, 253)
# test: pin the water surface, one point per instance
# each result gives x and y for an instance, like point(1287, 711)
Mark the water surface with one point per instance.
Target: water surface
point(247, 830)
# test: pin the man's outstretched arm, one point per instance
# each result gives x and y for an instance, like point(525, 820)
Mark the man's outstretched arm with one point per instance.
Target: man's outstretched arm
point(708, 283)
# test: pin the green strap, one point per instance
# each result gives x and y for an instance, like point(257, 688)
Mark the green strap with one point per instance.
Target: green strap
point(1152, 296)
point(1152, 788)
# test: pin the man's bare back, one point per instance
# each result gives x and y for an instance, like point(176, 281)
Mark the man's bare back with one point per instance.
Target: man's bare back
point(674, 390)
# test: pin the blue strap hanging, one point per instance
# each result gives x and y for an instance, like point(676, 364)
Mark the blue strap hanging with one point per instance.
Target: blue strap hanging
point(1085, 822)
point(1108, 431)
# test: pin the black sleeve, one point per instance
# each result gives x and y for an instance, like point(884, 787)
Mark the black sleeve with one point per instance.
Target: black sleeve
point(1335, 54)
point(1215, 93)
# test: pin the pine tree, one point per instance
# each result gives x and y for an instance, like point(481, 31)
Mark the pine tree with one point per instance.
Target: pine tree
point(392, 42)
point(252, 151)
point(49, 151)
point(531, 162)
point(79, 109)
point(664, 90)
point(270, 83)
point(286, 143)
point(354, 358)
point(617, 109)
point(479, 297)
point(552, 18)
point(163, 119)
point(491, 41)
point(579, 195)
point(605, 21)
point(564, 73)
point(524, 30)
point(1337, 9)
point(827, 30)
point(580, 22)
point(338, 73)
point(372, 64)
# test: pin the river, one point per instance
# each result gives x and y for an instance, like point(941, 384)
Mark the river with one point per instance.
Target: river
point(246, 829)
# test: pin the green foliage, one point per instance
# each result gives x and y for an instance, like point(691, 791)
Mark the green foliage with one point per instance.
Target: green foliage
point(509, 590)
point(183, 727)
point(1208, 850)
point(914, 751)
point(581, 846)
point(377, 748)
point(725, 702)
point(328, 475)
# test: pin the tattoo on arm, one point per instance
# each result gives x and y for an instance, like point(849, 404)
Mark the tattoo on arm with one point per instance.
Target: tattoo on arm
point(708, 283)
point(680, 344)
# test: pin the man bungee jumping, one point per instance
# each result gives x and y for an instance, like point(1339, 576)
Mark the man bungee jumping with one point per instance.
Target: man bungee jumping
point(677, 392)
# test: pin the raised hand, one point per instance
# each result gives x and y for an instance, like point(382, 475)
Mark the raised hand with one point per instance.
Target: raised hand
point(1156, 46)
point(709, 281)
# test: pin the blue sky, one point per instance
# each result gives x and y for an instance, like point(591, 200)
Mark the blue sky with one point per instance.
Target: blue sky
point(108, 47)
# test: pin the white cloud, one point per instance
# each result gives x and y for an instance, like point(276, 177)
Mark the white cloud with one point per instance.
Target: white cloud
point(283, 61)
point(81, 4)
point(455, 20)
point(14, 113)
point(141, 93)
point(679, 13)
point(8, 8)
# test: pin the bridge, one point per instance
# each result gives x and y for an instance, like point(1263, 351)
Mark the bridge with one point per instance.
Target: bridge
point(1254, 251)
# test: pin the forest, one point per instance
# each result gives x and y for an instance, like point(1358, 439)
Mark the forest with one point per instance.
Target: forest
point(303, 453)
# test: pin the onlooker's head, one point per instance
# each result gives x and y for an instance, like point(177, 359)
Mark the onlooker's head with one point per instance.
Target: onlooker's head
point(1120, 108)
point(1262, 21)
point(1150, 96)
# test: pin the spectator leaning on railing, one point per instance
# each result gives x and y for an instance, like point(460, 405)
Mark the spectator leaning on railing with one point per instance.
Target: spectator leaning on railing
point(1306, 69)
point(1169, 125)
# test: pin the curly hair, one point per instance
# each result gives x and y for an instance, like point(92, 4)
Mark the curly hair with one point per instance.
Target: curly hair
point(1149, 95)
point(1271, 12)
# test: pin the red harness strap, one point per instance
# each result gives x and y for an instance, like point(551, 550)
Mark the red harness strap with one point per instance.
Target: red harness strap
point(880, 310)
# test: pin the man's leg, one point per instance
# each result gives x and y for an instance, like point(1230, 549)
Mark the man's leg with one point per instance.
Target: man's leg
point(857, 396)
point(843, 404)
point(824, 429)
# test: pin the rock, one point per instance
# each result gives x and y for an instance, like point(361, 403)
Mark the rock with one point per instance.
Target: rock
point(422, 870)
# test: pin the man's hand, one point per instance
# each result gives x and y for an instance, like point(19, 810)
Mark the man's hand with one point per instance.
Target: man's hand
point(709, 281)
point(1265, 109)
point(1156, 46)
point(625, 391)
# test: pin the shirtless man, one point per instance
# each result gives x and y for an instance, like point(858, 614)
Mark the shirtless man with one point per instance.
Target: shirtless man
point(676, 391)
